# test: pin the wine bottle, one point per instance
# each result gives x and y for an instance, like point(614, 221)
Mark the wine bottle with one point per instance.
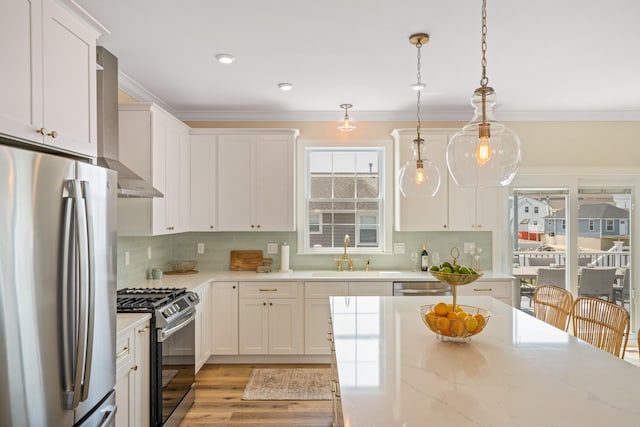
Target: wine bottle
point(424, 258)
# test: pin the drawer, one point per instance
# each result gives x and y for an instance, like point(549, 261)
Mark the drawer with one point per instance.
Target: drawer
point(325, 289)
point(493, 289)
point(124, 348)
point(268, 290)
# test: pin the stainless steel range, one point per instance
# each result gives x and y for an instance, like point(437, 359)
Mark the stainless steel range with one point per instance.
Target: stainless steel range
point(173, 312)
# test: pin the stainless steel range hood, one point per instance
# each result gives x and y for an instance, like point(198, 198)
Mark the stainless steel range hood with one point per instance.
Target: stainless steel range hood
point(129, 183)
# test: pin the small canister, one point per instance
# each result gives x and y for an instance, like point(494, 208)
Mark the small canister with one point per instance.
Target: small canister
point(156, 274)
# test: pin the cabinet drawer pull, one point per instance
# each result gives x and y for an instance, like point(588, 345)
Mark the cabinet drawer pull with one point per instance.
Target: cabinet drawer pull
point(482, 289)
point(145, 329)
point(124, 351)
point(268, 289)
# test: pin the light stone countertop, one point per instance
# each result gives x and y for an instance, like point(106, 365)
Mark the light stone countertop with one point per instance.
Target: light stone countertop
point(192, 281)
point(129, 320)
point(519, 371)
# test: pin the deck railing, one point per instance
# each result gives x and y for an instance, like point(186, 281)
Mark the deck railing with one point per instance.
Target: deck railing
point(595, 259)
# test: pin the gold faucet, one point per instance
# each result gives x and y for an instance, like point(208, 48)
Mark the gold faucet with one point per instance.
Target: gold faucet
point(349, 261)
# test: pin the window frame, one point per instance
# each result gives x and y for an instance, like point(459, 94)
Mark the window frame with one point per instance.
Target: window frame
point(386, 173)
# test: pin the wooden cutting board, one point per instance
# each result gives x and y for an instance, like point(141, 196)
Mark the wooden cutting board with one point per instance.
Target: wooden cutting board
point(245, 260)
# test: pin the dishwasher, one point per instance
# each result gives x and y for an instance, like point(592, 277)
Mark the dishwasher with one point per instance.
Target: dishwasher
point(435, 288)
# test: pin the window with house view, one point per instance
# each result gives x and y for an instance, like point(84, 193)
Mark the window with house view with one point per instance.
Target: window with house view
point(344, 195)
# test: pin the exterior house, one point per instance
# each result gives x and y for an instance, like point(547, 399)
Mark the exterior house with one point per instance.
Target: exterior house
point(601, 222)
point(531, 214)
point(334, 210)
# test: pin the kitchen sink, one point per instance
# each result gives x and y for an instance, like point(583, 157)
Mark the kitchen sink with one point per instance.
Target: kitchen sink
point(345, 274)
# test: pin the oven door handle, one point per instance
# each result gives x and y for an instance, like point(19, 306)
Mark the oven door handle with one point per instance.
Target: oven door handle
point(163, 334)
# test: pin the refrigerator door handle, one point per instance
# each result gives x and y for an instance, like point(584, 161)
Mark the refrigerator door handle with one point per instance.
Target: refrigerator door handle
point(67, 281)
point(78, 271)
point(90, 283)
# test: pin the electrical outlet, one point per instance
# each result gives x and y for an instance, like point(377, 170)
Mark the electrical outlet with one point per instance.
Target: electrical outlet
point(200, 248)
point(398, 248)
point(272, 248)
point(148, 252)
point(126, 258)
point(469, 247)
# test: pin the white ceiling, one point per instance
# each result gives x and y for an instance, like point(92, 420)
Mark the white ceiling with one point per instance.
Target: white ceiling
point(547, 59)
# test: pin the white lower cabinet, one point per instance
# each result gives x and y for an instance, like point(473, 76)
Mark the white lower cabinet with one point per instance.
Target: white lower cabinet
point(317, 314)
point(268, 318)
point(203, 325)
point(501, 290)
point(132, 373)
point(317, 310)
point(224, 318)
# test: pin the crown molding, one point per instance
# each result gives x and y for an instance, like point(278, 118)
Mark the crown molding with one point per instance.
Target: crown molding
point(137, 91)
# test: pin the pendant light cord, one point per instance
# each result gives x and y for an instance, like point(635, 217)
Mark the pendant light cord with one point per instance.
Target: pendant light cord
point(419, 76)
point(484, 81)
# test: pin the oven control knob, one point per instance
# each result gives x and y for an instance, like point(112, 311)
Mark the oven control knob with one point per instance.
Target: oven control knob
point(194, 298)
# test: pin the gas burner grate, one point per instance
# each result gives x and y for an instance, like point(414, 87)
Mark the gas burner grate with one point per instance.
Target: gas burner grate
point(145, 299)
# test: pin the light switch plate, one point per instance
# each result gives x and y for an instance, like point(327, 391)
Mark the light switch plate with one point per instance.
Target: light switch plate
point(200, 248)
point(126, 258)
point(148, 252)
point(272, 248)
point(398, 248)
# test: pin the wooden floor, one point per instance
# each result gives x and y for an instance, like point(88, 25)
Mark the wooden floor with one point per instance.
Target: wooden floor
point(218, 402)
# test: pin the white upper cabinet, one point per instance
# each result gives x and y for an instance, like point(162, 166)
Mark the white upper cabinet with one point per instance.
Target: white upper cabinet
point(204, 154)
point(476, 209)
point(255, 179)
point(422, 214)
point(48, 76)
point(155, 145)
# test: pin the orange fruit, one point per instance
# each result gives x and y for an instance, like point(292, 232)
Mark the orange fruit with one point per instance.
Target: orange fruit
point(462, 315)
point(457, 328)
point(442, 325)
point(471, 323)
point(481, 320)
point(451, 315)
point(441, 309)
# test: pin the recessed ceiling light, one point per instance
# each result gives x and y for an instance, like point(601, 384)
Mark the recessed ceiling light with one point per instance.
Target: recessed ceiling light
point(225, 58)
point(286, 87)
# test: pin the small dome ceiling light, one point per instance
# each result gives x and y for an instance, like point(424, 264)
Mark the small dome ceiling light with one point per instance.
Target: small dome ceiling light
point(346, 125)
point(285, 87)
point(225, 58)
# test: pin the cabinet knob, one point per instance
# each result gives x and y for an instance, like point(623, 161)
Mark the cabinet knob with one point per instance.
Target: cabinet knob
point(252, 226)
point(264, 303)
point(134, 368)
point(270, 303)
point(211, 226)
point(258, 225)
point(41, 131)
point(53, 134)
point(145, 329)
point(444, 226)
point(233, 287)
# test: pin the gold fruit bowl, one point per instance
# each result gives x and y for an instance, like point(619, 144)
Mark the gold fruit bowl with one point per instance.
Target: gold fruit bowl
point(455, 279)
point(456, 326)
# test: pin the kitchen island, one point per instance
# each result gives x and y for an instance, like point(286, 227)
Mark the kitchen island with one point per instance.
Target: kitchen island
point(518, 371)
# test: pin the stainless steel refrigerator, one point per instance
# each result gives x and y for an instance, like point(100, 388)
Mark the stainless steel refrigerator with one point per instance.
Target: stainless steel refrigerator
point(57, 291)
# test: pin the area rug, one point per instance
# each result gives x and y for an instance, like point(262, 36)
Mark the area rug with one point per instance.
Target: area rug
point(289, 384)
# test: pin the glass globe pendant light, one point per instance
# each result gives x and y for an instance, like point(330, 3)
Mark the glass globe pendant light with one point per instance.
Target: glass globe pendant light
point(419, 177)
point(484, 153)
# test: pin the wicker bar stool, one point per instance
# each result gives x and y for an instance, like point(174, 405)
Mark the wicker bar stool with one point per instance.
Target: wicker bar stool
point(552, 305)
point(601, 323)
